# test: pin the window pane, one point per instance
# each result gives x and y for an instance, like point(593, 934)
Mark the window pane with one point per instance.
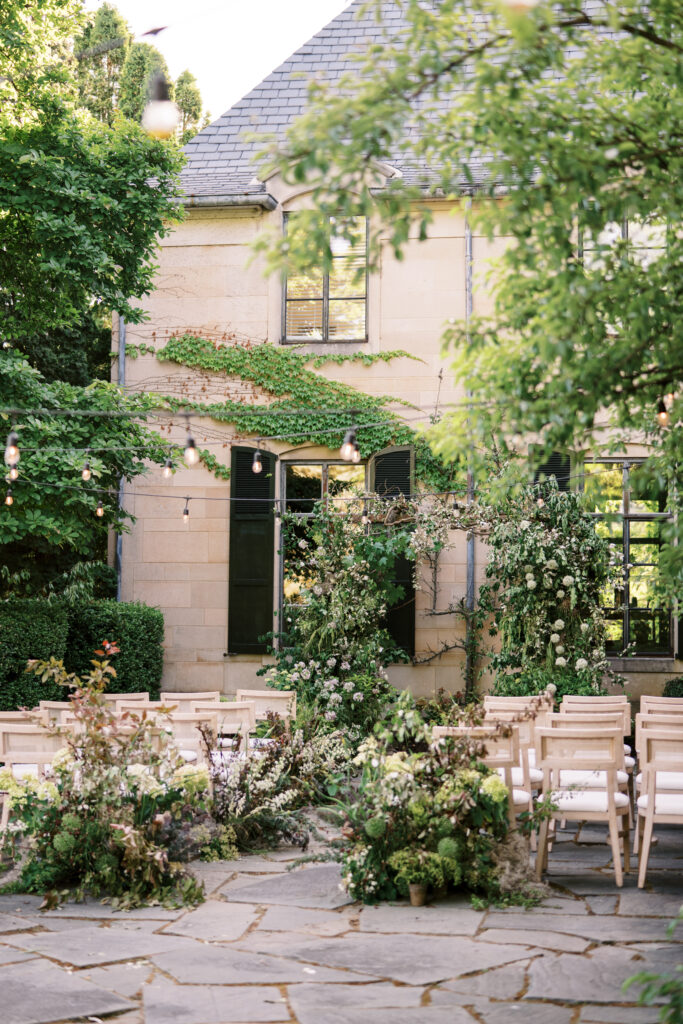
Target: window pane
point(603, 485)
point(650, 631)
point(646, 495)
point(304, 486)
point(347, 319)
point(295, 582)
point(306, 286)
point(305, 319)
point(345, 483)
point(347, 277)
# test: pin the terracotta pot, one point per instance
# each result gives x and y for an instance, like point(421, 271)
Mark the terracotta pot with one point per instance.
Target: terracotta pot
point(418, 894)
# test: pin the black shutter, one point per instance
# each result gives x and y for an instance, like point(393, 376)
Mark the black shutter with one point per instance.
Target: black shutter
point(557, 465)
point(252, 538)
point(391, 475)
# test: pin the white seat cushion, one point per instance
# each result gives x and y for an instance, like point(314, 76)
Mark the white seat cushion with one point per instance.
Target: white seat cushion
point(25, 771)
point(665, 803)
point(535, 776)
point(520, 797)
point(588, 780)
point(665, 780)
point(188, 755)
point(260, 742)
point(627, 749)
point(589, 800)
point(629, 763)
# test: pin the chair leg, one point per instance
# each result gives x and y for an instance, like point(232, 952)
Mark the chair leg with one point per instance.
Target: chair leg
point(625, 818)
point(542, 851)
point(637, 833)
point(645, 849)
point(5, 811)
point(616, 849)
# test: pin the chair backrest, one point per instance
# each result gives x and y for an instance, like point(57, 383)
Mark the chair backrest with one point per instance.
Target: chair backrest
point(281, 702)
point(657, 705)
point(662, 752)
point(115, 698)
point(145, 707)
point(182, 696)
point(27, 744)
point(501, 751)
point(579, 748)
point(604, 705)
point(24, 717)
point(185, 730)
point(54, 709)
point(648, 722)
point(233, 716)
point(525, 727)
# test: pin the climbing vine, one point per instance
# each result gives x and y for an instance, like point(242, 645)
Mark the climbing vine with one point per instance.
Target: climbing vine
point(306, 407)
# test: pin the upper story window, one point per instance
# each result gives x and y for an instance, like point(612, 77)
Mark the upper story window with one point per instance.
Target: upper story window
point(647, 242)
point(631, 511)
point(329, 306)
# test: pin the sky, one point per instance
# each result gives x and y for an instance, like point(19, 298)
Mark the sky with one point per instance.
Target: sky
point(228, 46)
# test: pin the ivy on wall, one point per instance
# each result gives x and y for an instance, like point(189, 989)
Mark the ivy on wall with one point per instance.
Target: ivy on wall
point(306, 405)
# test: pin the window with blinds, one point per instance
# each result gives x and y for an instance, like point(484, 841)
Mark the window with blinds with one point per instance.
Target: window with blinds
point(329, 306)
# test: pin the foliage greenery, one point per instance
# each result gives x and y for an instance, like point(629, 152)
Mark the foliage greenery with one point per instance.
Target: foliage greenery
point(665, 989)
point(557, 124)
point(673, 687)
point(121, 814)
point(29, 629)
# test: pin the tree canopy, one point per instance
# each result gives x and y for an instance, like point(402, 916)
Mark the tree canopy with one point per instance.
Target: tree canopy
point(560, 130)
point(101, 51)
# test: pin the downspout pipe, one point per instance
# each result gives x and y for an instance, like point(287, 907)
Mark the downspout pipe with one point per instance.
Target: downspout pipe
point(122, 384)
point(469, 591)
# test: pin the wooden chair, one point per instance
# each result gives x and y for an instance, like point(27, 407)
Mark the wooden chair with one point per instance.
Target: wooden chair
point(185, 730)
point(27, 749)
point(579, 705)
point(661, 705)
point(54, 709)
point(279, 702)
point(188, 698)
point(662, 754)
point(501, 753)
point(116, 698)
point(24, 717)
point(235, 718)
point(563, 750)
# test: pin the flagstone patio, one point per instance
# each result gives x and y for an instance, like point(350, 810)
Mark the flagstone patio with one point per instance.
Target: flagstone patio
point(276, 946)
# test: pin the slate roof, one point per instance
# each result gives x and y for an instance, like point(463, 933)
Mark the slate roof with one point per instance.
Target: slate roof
point(221, 160)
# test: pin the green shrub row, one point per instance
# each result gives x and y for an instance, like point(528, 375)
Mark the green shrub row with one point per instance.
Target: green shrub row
point(72, 631)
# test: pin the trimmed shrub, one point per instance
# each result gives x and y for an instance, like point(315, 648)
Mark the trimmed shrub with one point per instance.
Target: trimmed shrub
point(533, 681)
point(673, 687)
point(139, 632)
point(29, 629)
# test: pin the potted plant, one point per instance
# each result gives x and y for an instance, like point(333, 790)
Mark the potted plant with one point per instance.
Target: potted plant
point(416, 870)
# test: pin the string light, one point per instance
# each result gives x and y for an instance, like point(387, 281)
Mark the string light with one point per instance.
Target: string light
point(13, 472)
point(347, 448)
point(191, 453)
point(663, 417)
point(355, 455)
point(12, 448)
point(168, 468)
point(186, 511)
point(9, 499)
point(161, 116)
point(257, 464)
point(86, 472)
point(99, 511)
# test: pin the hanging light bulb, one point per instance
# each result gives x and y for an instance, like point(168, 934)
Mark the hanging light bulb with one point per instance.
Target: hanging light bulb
point(257, 464)
point(662, 414)
point(346, 450)
point(12, 448)
point(186, 511)
point(355, 454)
point(168, 468)
point(365, 518)
point(86, 472)
point(161, 116)
point(99, 511)
point(191, 453)
point(9, 500)
point(13, 471)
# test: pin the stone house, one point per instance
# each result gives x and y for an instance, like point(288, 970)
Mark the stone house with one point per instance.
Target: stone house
point(218, 576)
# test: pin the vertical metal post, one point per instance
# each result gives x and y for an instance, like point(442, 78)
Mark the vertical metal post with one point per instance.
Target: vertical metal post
point(469, 593)
point(121, 382)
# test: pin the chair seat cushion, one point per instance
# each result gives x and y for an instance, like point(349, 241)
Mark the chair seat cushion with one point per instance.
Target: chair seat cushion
point(590, 800)
point(188, 755)
point(627, 749)
point(260, 742)
point(665, 780)
point(629, 763)
point(520, 797)
point(535, 776)
point(588, 780)
point(25, 771)
point(665, 803)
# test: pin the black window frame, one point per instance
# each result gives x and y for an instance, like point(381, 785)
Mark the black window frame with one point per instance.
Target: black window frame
point(325, 339)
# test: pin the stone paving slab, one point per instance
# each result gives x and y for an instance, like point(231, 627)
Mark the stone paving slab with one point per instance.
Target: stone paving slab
point(13, 956)
point(447, 917)
point(124, 979)
point(307, 999)
point(226, 965)
point(598, 928)
point(641, 903)
point(21, 903)
point(400, 958)
point(40, 992)
point(166, 1003)
point(215, 921)
point(10, 923)
point(502, 983)
point(602, 904)
point(301, 919)
point(422, 1015)
point(601, 975)
point(619, 1015)
point(507, 1013)
point(28, 904)
point(537, 939)
point(87, 947)
point(317, 887)
point(213, 874)
point(258, 865)
point(554, 904)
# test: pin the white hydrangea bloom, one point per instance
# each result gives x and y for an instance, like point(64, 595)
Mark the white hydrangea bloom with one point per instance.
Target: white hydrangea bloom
point(567, 581)
point(558, 624)
point(560, 662)
point(554, 638)
point(581, 663)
